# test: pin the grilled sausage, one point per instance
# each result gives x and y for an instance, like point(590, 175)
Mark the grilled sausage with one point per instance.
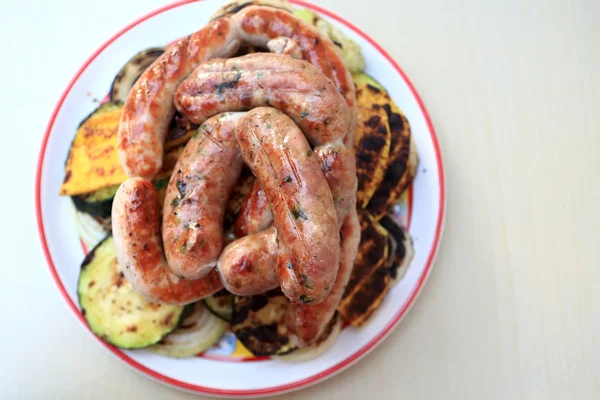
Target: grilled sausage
point(197, 196)
point(136, 231)
point(149, 107)
point(263, 79)
point(303, 209)
point(247, 258)
point(260, 24)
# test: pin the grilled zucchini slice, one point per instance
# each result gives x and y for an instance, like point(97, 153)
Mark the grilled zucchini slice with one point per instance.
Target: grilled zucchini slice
point(97, 203)
point(131, 71)
point(114, 311)
point(350, 50)
point(221, 305)
point(196, 333)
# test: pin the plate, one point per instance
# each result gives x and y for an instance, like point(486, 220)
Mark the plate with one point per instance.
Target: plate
point(201, 374)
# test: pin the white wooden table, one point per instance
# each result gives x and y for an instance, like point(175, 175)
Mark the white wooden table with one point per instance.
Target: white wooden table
point(512, 308)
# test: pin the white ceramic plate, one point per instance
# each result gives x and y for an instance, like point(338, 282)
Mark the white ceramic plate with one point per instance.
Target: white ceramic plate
point(205, 375)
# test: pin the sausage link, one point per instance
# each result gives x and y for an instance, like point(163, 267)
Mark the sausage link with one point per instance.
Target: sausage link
point(197, 196)
point(244, 259)
point(255, 214)
point(260, 24)
point(304, 214)
point(136, 231)
point(339, 168)
point(284, 45)
point(308, 322)
point(264, 79)
point(149, 106)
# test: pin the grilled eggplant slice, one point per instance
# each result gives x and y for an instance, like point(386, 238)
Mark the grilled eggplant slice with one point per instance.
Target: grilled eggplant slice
point(196, 333)
point(131, 71)
point(370, 277)
point(349, 49)
point(220, 304)
point(404, 250)
point(372, 143)
point(180, 131)
point(114, 311)
point(323, 343)
point(259, 322)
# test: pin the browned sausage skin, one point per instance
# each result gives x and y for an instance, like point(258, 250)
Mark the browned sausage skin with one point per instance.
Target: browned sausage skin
point(197, 195)
point(339, 168)
point(149, 107)
point(246, 258)
point(261, 24)
point(304, 214)
point(136, 230)
point(308, 322)
point(255, 214)
point(264, 79)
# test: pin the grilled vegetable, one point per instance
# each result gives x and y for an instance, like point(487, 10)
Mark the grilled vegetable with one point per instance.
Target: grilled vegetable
point(196, 333)
point(131, 71)
point(372, 142)
point(320, 346)
point(93, 162)
point(180, 131)
point(97, 203)
point(370, 277)
point(350, 50)
point(235, 6)
point(89, 229)
point(259, 323)
point(220, 304)
point(403, 159)
point(404, 251)
point(114, 311)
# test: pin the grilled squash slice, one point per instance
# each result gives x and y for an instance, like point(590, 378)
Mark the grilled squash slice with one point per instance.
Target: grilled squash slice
point(93, 162)
point(220, 304)
point(370, 278)
point(371, 143)
point(114, 311)
point(403, 159)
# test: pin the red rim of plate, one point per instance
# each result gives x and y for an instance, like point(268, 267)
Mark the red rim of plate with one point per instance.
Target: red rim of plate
point(275, 389)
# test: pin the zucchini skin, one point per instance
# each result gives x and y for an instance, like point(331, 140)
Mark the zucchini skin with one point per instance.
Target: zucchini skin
point(114, 311)
point(98, 203)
